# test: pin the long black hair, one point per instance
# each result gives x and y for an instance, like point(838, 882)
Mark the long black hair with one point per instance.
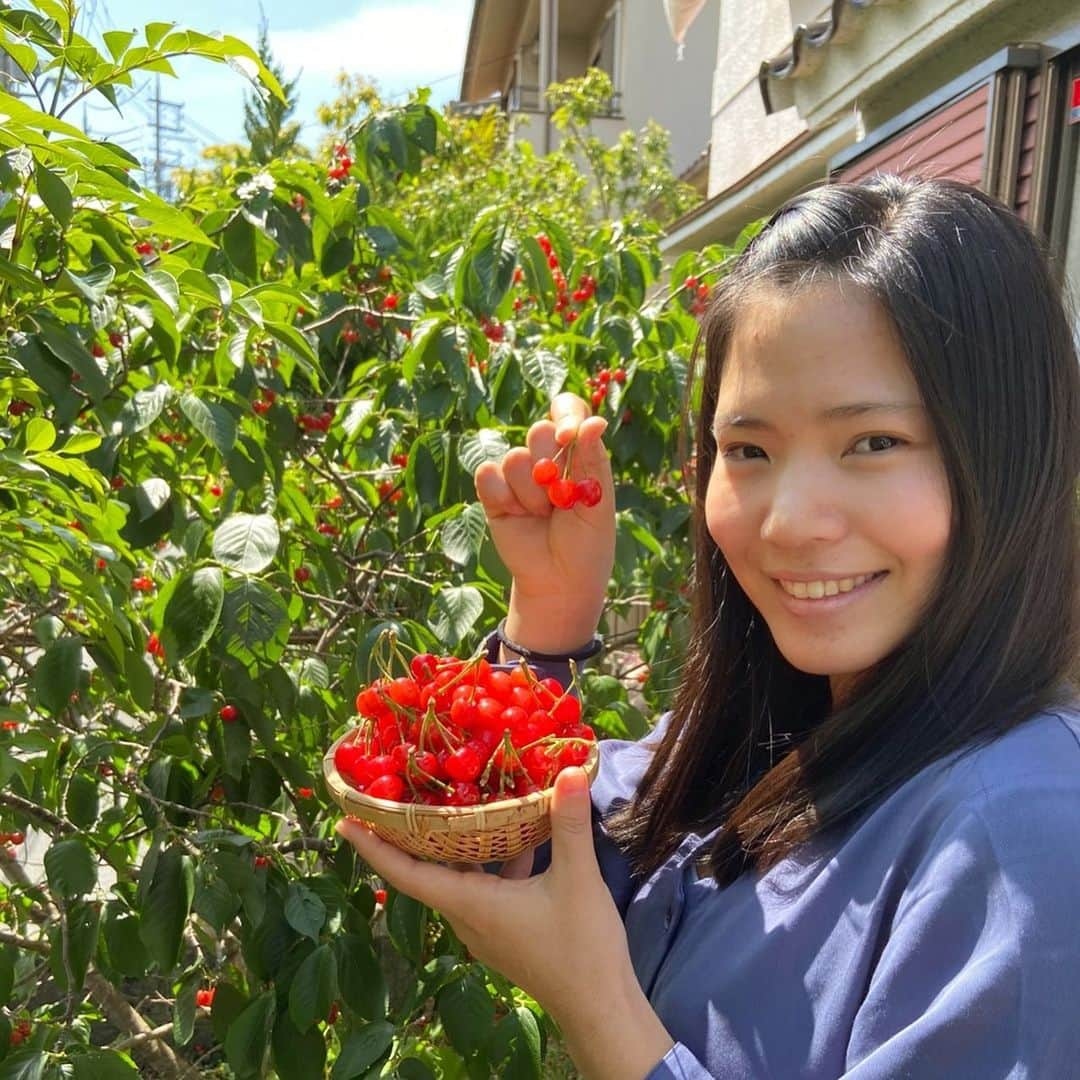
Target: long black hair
point(984, 327)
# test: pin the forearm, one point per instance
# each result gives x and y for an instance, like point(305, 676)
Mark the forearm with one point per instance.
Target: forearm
point(621, 1039)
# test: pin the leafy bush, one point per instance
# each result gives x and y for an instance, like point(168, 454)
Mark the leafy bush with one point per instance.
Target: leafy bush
point(238, 442)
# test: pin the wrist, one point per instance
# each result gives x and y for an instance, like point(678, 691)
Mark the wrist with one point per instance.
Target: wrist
point(551, 624)
point(626, 1042)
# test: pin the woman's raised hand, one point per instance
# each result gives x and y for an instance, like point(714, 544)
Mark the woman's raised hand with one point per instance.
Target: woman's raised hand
point(560, 560)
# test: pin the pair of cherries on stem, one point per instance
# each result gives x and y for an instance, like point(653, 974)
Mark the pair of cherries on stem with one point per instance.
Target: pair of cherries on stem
point(562, 490)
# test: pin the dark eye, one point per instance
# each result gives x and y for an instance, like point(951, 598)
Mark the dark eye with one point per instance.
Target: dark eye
point(877, 443)
point(751, 451)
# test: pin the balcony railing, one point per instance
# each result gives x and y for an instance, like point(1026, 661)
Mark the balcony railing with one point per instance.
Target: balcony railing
point(527, 99)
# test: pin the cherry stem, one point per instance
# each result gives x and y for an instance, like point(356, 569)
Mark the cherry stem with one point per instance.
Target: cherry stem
point(431, 717)
point(412, 767)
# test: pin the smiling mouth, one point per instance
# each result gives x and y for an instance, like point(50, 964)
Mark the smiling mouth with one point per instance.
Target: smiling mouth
point(820, 590)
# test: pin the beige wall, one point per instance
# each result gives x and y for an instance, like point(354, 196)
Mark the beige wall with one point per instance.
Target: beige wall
point(742, 135)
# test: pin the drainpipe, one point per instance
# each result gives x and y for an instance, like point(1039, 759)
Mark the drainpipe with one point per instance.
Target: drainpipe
point(549, 54)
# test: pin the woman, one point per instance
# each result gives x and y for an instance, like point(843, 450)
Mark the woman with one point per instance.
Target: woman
point(850, 850)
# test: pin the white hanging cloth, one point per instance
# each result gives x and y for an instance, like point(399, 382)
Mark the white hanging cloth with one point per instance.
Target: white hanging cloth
point(680, 14)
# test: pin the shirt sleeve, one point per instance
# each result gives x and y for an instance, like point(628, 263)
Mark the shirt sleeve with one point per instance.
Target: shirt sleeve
point(978, 974)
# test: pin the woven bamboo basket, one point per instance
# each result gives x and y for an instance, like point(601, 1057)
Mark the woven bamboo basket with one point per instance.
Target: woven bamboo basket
point(489, 832)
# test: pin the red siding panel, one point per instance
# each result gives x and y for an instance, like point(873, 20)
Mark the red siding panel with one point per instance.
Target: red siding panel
point(949, 142)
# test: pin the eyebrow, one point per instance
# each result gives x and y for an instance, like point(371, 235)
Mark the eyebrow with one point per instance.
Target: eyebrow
point(836, 412)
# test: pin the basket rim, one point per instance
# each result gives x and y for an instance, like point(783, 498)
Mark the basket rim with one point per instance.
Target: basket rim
point(337, 785)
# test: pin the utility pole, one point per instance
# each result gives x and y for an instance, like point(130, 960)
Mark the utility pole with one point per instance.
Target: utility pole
point(169, 134)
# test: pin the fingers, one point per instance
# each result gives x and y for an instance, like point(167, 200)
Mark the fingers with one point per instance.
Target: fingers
point(494, 491)
point(507, 488)
point(519, 867)
point(567, 413)
point(439, 887)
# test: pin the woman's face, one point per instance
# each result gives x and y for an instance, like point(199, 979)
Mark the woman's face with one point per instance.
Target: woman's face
point(828, 498)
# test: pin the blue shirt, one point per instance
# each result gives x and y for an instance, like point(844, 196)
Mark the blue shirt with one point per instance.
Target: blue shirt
point(939, 936)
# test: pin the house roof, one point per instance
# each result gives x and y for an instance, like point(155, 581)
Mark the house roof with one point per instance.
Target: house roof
point(494, 33)
point(499, 27)
point(807, 50)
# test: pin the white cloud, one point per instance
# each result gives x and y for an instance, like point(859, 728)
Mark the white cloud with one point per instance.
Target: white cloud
point(397, 45)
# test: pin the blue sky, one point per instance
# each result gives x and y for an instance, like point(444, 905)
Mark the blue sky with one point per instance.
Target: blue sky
point(398, 43)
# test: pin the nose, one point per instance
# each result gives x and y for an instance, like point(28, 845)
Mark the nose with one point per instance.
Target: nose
point(806, 506)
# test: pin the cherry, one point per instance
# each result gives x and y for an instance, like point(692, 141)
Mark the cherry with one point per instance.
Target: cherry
point(229, 713)
point(380, 897)
point(215, 490)
point(465, 763)
point(97, 350)
point(389, 786)
point(261, 861)
point(562, 493)
point(204, 998)
point(301, 574)
point(589, 492)
point(390, 301)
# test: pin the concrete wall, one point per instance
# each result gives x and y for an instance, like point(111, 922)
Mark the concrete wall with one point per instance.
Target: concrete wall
point(743, 137)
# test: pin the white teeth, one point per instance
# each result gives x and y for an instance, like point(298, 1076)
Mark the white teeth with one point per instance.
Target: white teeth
point(815, 590)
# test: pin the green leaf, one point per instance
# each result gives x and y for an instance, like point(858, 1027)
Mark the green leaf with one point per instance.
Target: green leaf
point(92, 285)
point(313, 988)
point(360, 976)
point(70, 867)
point(487, 444)
point(83, 924)
point(184, 1007)
point(212, 421)
point(304, 910)
point(247, 542)
point(120, 929)
point(254, 621)
point(81, 442)
point(117, 41)
point(467, 1012)
point(405, 922)
point(8, 957)
point(166, 907)
point(24, 1065)
point(82, 801)
point(461, 536)
point(544, 370)
point(454, 611)
point(192, 612)
point(56, 676)
point(249, 1035)
point(141, 410)
point(55, 194)
point(93, 1064)
point(515, 1046)
point(39, 434)
point(297, 1055)
point(69, 350)
point(228, 1004)
point(362, 1049)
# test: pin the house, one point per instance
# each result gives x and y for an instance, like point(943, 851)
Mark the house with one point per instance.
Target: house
point(805, 92)
point(516, 47)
